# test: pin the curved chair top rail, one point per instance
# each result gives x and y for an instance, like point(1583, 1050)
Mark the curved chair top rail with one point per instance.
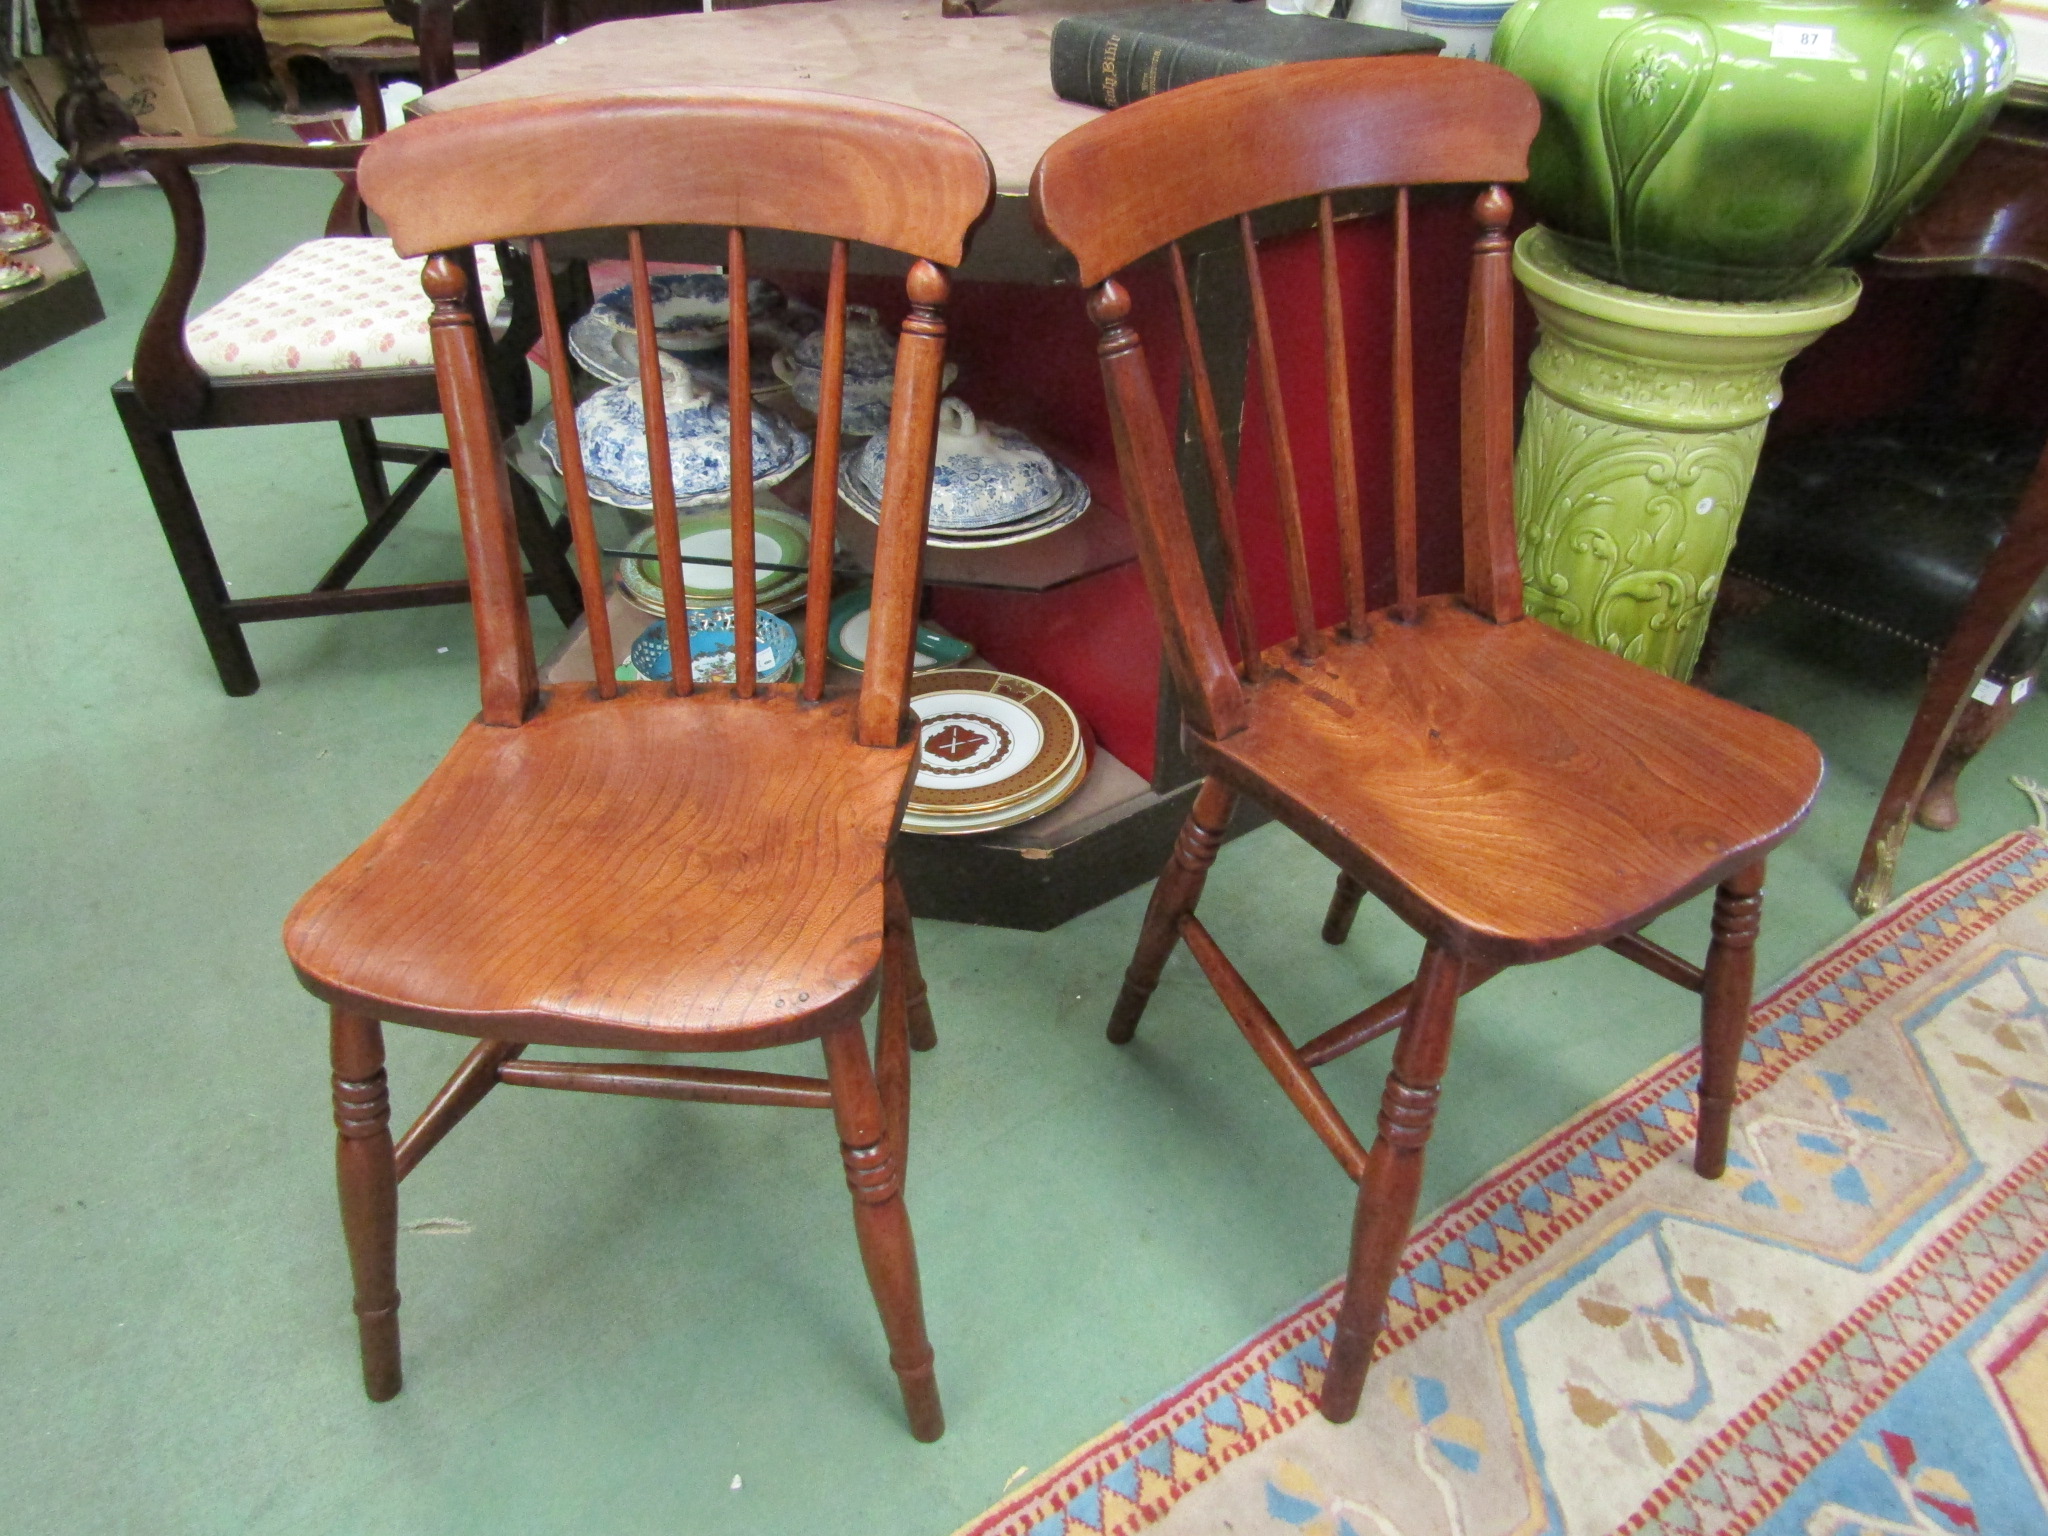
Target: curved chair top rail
point(840, 166)
point(1146, 174)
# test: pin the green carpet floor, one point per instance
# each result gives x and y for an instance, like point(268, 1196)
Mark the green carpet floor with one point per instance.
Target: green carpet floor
point(625, 1316)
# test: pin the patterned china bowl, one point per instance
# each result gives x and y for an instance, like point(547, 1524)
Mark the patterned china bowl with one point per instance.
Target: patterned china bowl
point(689, 309)
point(982, 474)
point(714, 650)
point(612, 427)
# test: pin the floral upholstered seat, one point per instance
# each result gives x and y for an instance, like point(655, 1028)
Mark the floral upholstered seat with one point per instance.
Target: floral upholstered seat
point(329, 306)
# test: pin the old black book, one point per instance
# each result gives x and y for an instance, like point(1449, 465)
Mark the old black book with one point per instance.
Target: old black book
point(1113, 59)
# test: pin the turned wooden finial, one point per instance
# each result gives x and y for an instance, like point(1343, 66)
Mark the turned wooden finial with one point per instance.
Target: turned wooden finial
point(1109, 305)
point(927, 285)
point(445, 281)
point(1492, 210)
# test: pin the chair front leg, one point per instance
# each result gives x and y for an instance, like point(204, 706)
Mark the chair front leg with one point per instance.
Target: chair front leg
point(1174, 896)
point(1392, 1185)
point(875, 1176)
point(1724, 1012)
point(368, 1179)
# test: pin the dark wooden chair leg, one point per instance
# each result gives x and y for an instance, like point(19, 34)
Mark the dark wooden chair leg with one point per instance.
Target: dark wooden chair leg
point(1343, 908)
point(544, 555)
point(368, 1178)
point(875, 1176)
point(163, 476)
point(1988, 621)
point(1173, 897)
point(917, 1006)
point(359, 437)
point(1938, 811)
point(1392, 1185)
point(1724, 1012)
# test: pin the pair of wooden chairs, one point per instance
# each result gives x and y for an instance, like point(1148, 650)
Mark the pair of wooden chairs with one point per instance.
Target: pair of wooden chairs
point(1512, 793)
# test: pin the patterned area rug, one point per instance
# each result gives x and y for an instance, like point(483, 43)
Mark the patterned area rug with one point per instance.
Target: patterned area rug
point(1845, 1336)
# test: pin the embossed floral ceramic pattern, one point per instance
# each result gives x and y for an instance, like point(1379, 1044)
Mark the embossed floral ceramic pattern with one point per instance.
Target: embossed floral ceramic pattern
point(1724, 149)
point(982, 474)
point(328, 306)
point(713, 654)
point(612, 427)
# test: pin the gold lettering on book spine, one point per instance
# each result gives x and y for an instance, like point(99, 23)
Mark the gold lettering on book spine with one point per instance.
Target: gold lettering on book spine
point(1149, 86)
point(1109, 50)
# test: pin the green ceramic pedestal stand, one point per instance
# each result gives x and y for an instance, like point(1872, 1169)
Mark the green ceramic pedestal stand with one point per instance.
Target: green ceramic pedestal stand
point(1639, 440)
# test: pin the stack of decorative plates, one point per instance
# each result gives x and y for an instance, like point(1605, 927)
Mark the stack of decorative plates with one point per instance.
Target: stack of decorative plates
point(993, 750)
point(781, 538)
point(1070, 502)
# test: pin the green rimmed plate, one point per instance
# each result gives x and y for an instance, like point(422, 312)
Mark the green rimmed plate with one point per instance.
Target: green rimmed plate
point(780, 538)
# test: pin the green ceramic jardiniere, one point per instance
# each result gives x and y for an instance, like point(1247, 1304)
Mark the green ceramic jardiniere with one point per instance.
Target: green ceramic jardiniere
point(1728, 149)
point(1639, 440)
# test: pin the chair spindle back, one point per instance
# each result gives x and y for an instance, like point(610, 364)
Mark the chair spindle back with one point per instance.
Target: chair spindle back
point(846, 170)
point(1152, 173)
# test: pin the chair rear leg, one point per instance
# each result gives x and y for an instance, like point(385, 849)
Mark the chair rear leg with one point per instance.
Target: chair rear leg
point(163, 476)
point(1174, 896)
point(359, 437)
point(368, 1179)
point(916, 1005)
point(1724, 1012)
point(1343, 908)
point(874, 1174)
point(544, 554)
point(1392, 1185)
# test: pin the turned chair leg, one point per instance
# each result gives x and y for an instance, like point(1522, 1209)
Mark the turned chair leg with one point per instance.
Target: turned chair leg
point(1173, 897)
point(1392, 1185)
point(916, 1006)
point(1343, 908)
point(1724, 1012)
point(1938, 811)
point(874, 1174)
point(369, 1194)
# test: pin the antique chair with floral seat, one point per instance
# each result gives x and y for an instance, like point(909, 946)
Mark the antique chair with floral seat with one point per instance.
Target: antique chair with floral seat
point(673, 866)
point(1511, 793)
point(333, 330)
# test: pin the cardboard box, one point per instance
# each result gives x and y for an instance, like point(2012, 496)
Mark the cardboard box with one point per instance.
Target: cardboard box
point(173, 93)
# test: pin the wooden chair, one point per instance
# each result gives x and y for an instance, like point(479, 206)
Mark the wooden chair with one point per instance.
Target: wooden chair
point(1511, 793)
point(334, 330)
point(655, 866)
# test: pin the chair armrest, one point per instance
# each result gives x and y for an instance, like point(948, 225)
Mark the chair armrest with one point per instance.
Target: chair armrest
point(179, 150)
point(169, 383)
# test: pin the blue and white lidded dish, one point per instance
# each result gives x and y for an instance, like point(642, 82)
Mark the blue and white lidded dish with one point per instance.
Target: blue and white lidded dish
point(714, 653)
point(870, 372)
point(691, 309)
point(982, 474)
point(612, 427)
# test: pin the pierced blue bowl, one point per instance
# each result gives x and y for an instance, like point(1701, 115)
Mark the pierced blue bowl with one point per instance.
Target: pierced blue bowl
point(714, 649)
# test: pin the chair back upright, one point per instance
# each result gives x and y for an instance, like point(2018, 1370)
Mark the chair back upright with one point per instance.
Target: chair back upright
point(845, 169)
point(1150, 174)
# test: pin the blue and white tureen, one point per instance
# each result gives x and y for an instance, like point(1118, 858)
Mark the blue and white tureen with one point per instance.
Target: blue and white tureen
point(612, 428)
point(982, 474)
